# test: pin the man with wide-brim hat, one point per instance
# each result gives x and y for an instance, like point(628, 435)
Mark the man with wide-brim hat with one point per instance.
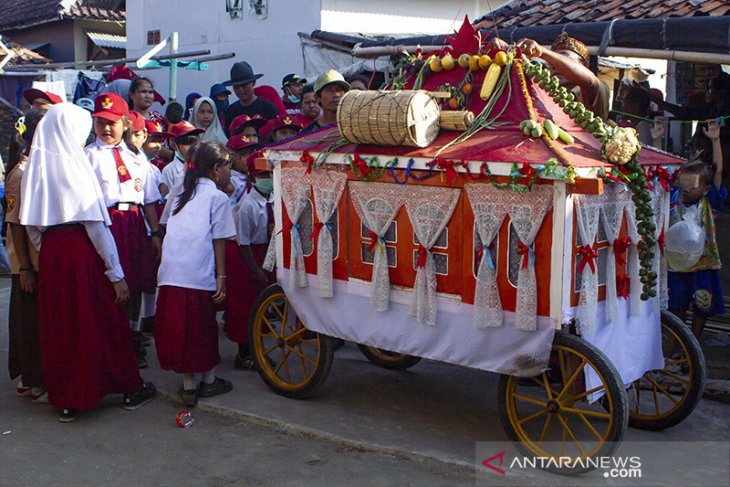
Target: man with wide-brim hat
point(243, 80)
point(328, 89)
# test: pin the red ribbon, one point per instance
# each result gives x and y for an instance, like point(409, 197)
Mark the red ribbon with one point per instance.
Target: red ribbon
point(374, 237)
point(664, 177)
point(422, 255)
point(527, 171)
point(286, 228)
point(661, 243)
point(315, 231)
point(362, 166)
point(122, 170)
point(308, 160)
point(620, 245)
point(447, 165)
point(623, 286)
point(587, 256)
point(524, 251)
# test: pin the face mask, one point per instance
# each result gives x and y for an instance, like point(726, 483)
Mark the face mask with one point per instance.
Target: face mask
point(264, 185)
point(293, 99)
point(179, 155)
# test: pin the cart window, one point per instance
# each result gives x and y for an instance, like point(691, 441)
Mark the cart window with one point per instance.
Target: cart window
point(515, 260)
point(306, 226)
point(391, 236)
point(441, 262)
point(442, 242)
point(600, 235)
point(476, 255)
point(334, 227)
point(368, 255)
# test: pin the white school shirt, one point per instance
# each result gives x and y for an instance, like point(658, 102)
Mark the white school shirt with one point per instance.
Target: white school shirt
point(238, 180)
point(139, 189)
point(173, 174)
point(252, 220)
point(187, 251)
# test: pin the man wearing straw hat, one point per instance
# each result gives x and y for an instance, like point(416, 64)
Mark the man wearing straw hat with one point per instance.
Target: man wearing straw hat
point(328, 89)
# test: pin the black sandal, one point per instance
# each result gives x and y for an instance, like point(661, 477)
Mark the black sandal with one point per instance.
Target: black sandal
point(218, 387)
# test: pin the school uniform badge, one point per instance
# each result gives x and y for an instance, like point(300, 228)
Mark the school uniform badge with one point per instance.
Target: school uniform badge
point(11, 202)
point(138, 185)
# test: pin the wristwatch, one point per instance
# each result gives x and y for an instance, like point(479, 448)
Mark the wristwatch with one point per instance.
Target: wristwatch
point(157, 233)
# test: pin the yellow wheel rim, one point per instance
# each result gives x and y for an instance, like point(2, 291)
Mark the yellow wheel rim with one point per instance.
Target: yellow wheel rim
point(552, 418)
point(286, 352)
point(659, 393)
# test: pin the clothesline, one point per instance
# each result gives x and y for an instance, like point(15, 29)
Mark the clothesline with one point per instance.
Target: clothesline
point(720, 120)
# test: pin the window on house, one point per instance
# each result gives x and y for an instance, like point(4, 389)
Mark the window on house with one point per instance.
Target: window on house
point(153, 37)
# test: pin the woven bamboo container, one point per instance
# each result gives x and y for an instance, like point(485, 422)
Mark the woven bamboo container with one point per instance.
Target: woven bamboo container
point(456, 120)
point(409, 118)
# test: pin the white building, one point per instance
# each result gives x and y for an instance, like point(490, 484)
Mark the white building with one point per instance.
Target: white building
point(269, 40)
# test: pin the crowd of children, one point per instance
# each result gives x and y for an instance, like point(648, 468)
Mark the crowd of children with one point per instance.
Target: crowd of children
point(168, 216)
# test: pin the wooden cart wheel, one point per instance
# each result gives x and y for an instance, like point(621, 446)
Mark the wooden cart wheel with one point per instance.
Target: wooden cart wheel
point(388, 360)
point(550, 415)
point(664, 398)
point(290, 359)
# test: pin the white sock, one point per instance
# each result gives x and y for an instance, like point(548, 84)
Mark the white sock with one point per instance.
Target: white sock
point(148, 305)
point(209, 377)
point(189, 382)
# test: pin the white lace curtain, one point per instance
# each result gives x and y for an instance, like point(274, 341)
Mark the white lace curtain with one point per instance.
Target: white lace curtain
point(632, 261)
point(588, 210)
point(614, 201)
point(429, 210)
point(489, 212)
point(526, 213)
point(377, 204)
point(660, 205)
point(328, 187)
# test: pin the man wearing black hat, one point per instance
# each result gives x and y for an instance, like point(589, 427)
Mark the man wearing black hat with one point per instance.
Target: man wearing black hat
point(292, 85)
point(243, 80)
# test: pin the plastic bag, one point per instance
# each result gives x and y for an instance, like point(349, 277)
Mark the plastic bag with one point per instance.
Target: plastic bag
point(685, 241)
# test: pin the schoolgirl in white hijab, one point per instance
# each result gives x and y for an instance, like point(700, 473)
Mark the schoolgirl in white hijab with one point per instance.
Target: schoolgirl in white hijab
point(214, 131)
point(85, 338)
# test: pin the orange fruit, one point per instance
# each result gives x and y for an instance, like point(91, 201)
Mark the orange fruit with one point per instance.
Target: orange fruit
point(435, 64)
point(467, 89)
point(453, 103)
point(464, 60)
point(484, 61)
point(501, 58)
point(474, 63)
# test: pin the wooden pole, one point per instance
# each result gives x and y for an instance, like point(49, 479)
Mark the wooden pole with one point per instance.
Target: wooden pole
point(108, 62)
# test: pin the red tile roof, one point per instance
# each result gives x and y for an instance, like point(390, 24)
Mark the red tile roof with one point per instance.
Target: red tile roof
point(525, 13)
point(20, 14)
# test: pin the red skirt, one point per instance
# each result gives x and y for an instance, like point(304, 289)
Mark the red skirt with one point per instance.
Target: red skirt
point(129, 234)
point(186, 332)
point(85, 338)
point(241, 290)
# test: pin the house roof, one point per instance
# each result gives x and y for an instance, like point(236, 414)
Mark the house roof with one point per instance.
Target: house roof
point(23, 55)
point(526, 13)
point(20, 14)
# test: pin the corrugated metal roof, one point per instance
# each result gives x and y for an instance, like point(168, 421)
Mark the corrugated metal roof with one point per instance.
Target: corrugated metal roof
point(110, 41)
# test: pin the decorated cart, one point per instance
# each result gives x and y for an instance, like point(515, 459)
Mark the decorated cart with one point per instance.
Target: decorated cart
point(527, 241)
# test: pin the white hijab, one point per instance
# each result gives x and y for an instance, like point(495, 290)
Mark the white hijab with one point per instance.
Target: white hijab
point(59, 185)
point(215, 130)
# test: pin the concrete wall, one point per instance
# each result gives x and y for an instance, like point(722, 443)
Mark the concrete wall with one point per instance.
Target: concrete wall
point(401, 16)
point(81, 40)
point(270, 45)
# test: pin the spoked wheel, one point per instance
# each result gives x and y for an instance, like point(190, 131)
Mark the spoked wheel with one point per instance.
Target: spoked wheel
point(290, 359)
point(550, 415)
point(664, 398)
point(388, 360)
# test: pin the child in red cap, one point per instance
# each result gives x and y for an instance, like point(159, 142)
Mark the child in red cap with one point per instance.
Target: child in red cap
point(248, 126)
point(241, 147)
point(126, 184)
point(284, 127)
point(183, 136)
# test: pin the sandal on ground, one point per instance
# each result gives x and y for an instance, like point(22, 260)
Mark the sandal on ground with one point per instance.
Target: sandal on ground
point(189, 396)
point(218, 387)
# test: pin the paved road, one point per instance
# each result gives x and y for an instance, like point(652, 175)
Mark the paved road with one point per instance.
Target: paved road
point(111, 447)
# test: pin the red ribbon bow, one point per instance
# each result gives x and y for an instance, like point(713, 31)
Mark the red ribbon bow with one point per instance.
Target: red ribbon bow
point(524, 251)
point(623, 286)
point(587, 256)
point(527, 171)
point(620, 245)
point(308, 160)
point(286, 228)
point(664, 177)
point(374, 239)
point(661, 243)
point(447, 165)
point(422, 256)
point(362, 166)
point(315, 231)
